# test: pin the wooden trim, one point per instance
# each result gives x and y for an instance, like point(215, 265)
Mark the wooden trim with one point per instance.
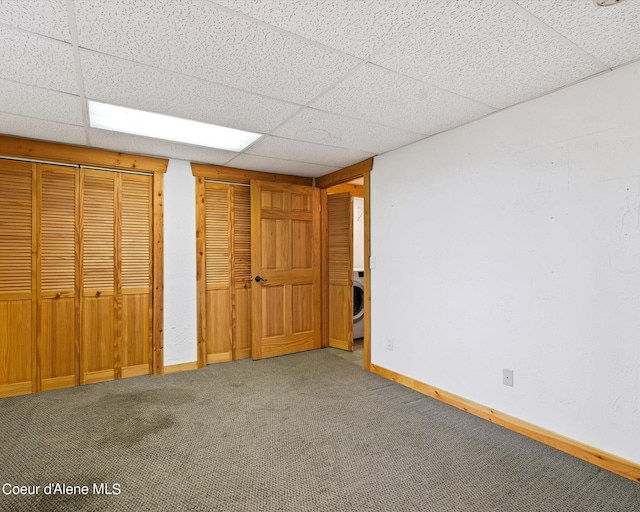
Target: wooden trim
point(324, 270)
point(158, 273)
point(19, 388)
point(232, 174)
point(180, 367)
point(35, 274)
point(17, 147)
point(346, 174)
point(580, 450)
point(79, 270)
point(367, 270)
point(221, 357)
point(134, 371)
point(201, 272)
point(117, 275)
point(356, 190)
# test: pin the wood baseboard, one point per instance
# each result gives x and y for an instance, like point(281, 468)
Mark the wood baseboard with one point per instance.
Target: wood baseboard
point(181, 367)
point(597, 457)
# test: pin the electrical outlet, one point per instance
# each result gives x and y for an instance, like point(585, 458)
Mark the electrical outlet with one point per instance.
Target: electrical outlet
point(390, 344)
point(507, 377)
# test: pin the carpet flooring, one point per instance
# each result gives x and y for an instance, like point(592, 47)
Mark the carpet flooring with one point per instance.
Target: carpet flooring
point(305, 432)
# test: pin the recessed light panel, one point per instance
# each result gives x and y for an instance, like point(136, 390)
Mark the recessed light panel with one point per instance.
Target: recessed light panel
point(160, 126)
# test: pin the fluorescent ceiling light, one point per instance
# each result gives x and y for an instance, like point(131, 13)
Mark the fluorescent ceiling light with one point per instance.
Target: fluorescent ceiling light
point(159, 126)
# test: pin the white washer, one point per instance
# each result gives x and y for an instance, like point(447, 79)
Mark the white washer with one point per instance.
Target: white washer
point(358, 304)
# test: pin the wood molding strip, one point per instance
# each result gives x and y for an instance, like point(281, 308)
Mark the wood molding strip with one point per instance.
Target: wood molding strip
point(158, 274)
point(201, 273)
point(180, 367)
point(367, 270)
point(580, 450)
point(17, 147)
point(346, 174)
point(232, 174)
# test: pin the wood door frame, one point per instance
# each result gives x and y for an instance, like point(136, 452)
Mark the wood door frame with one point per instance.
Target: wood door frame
point(53, 152)
point(210, 172)
point(360, 170)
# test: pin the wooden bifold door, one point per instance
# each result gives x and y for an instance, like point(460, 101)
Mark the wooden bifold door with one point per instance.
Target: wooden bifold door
point(75, 276)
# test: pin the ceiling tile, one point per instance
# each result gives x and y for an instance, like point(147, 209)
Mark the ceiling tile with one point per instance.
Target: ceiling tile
point(26, 100)
point(125, 83)
point(202, 40)
point(487, 52)
point(46, 17)
point(322, 127)
point(37, 60)
point(611, 35)
point(277, 147)
point(265, 164)
point(372, 94)
point(31, 128)
point(356, 28)
point(155, 147)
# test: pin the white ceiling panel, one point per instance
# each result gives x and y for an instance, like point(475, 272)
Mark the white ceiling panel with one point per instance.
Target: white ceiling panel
point(321, 127)
point(37, 60)
point(265, 164)
point(46, 17)
point(154, 147)
point(129, 84)
point(612, 35)
point(202, 40)
point(26, 100)
point(487, 52)
point(356, 28)
point(289, 149)
point(371, 94)
point(11, 124)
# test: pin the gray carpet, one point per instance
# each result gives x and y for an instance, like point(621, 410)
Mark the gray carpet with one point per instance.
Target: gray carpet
point(306, 432)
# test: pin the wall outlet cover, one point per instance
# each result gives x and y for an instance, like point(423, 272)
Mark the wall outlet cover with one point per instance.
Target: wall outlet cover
point(507, 377)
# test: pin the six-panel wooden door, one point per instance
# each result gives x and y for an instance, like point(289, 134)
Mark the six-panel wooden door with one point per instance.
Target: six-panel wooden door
point(285, 262)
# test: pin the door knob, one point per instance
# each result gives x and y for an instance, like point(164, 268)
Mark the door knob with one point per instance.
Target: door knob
point(258, 279)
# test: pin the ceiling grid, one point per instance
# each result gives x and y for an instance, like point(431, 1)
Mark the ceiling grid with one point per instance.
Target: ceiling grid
point(329, 83)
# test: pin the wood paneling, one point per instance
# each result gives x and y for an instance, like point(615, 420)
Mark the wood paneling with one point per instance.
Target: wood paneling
point(340, 270)
point(158, 273)
point(136, 334)
point(57, 352)
point(219, 324)
point(17, 278)
point(285, 242)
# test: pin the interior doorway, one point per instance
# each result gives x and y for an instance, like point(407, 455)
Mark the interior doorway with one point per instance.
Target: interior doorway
point(342, 307)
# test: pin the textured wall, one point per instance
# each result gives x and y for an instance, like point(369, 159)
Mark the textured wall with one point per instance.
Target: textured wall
point(180, 337)
point(514, 242)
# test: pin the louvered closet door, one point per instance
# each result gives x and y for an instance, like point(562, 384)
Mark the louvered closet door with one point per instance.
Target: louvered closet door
point(98, 309)
point(218, 272)
point(228, 272)
point(17, 279)
point(136, 265)
point(57, 304)
point(241, 271)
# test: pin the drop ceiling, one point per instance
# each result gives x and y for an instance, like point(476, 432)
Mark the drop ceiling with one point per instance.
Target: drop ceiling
point(329, 82)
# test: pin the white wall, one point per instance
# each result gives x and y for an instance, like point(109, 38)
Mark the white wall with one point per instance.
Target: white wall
point(358, 233)
point(180, 315)
point(514, 242)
